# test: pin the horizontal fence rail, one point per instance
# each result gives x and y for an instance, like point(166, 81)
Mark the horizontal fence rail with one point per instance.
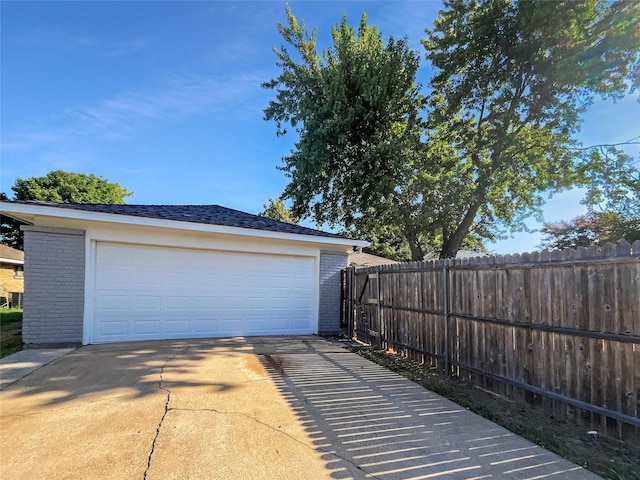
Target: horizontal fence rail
point(558, 329)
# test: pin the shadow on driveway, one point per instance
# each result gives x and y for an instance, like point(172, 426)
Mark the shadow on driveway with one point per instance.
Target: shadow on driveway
point(128, 369)
point(193, 409)
point(363, 415)
point(258, 408)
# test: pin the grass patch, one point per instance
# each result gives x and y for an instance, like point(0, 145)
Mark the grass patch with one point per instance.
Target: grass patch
point(609, 457)
point(10, 331)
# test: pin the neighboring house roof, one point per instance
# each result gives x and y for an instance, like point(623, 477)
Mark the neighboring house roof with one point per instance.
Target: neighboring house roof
point(11, 255)
point(461, 254)
point(198, 214)
point(361, 259)
point(471, 253)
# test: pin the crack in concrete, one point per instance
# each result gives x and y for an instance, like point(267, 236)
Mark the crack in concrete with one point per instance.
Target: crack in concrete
point(164, 414)
point(271, 427)
point(167, 409)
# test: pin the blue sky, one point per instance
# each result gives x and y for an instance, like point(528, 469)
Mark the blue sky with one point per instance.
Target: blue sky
point(165, 98)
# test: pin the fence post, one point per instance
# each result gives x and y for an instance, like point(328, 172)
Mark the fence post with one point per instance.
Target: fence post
point(445, 308)
point(379, 307)
point(343, 298)
point(351, 279)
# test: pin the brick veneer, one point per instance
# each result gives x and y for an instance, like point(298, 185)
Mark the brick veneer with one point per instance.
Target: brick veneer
point(54, 286)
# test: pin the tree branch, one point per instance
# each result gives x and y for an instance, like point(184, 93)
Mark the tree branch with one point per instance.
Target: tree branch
point(631, 141)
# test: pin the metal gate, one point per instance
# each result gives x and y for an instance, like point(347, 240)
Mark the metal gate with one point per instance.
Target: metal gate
point(362, 305)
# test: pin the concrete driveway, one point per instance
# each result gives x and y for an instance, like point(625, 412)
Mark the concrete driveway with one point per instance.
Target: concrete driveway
point(258, 408)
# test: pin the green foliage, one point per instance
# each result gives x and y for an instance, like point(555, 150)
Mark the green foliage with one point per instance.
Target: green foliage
point(385, 244)
point(61, 187)
point(511, 80)
point(355, 109)
point(613, 199)
point(276, 210)
point(10, 229)
point(66, 187)
point(614, 183)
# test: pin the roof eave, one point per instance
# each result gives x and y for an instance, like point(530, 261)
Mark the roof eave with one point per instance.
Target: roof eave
point(11, 261)
point(18, 209)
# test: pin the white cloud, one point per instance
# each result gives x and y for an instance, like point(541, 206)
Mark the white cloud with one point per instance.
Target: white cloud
point(177, 97)
point(121, 115)
point(57, 39)
point(75, 139)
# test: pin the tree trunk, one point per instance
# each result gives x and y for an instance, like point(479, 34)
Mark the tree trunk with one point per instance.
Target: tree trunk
point(452, 244)
point(416, 249)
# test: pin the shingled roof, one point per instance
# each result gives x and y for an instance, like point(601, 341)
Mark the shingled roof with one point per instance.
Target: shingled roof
point(362, 259)
point(11, 254)
point(204, 214)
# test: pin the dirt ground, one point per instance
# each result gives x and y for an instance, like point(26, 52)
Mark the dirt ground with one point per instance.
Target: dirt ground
point(609, 457)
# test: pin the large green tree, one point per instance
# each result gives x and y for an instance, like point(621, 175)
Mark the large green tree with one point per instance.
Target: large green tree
point(355, 108)
point(61, 187)
point(68, 187)
point(511, 80)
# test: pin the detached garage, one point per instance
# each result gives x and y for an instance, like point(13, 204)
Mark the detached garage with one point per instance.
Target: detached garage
point(113, 273)
point(144, 291)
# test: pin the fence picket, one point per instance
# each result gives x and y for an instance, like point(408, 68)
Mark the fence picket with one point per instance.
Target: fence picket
point(559, 329)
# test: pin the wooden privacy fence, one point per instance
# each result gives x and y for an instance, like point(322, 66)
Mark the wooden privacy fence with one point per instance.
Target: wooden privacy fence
point(561, 328)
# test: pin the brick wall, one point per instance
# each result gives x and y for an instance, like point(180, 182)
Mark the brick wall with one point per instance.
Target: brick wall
point(9, 282)
point(54, 286)
point(329, 312)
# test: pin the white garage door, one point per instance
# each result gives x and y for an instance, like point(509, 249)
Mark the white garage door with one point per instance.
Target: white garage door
point(146, 292)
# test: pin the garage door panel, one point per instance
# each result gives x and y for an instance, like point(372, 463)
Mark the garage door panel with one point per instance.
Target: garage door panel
point(182, 302)
point(144, 278)
point(111, 276)
point(205, 303)
point(146, 327)
point(117, 327)
point(281, 303)
point(147, 292)
point(142, 303)
point(113, 302)
point(207, 326)
point(279, 323)
point(259, 304)
point(300, 305)
point(229, 326)
point(176, 326)
point(179, 279)
point(203, 280)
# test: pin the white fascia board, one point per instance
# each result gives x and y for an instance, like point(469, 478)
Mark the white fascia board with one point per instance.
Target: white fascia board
point(61, 212)
point(14, 262)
